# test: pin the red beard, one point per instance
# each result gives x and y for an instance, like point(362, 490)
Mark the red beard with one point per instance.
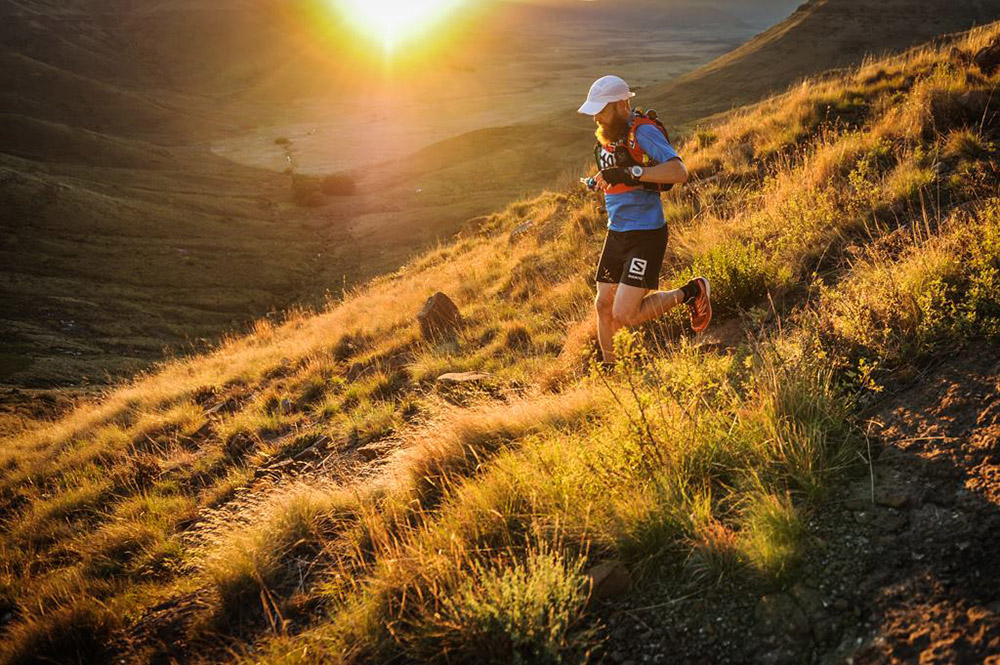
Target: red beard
point(615, 132)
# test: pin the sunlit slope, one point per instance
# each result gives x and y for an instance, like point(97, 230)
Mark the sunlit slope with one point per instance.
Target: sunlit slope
point(154, 70)
point(313, 492)
point(820, 35)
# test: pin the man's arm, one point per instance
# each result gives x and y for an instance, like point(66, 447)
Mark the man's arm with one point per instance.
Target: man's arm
point(672, 172)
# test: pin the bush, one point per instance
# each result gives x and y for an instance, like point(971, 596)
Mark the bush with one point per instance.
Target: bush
point(738, 272)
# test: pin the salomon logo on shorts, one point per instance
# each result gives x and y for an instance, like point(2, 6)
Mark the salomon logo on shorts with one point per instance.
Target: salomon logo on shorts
point(637, 267)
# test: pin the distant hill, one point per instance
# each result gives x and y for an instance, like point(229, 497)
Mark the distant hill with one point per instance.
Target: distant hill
point(820, 35)
point(500, 164)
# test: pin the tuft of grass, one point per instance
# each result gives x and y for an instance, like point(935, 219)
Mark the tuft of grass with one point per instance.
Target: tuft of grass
point(965, 144)
point(772, 534)
point(519, 608)
point(78, 632)
point(261, 560)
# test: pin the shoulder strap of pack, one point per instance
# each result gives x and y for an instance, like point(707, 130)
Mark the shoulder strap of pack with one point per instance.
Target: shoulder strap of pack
point(650, 117)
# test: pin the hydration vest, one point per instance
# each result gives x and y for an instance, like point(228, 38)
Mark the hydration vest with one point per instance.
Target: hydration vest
point(628, 153)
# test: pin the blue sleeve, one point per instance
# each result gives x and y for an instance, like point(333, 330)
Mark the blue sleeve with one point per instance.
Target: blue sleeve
point(654, 144)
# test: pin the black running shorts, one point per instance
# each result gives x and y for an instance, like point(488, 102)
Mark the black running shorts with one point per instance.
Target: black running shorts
point(633, 257)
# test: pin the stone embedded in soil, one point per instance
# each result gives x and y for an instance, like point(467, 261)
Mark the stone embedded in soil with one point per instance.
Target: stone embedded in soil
point(892, 499)
point(519, 232)
point(439, 317)
point(373, 451)
point(608, 579)
point(988, 59)
point(779, 614)
point(858, 502)
point(456, 378)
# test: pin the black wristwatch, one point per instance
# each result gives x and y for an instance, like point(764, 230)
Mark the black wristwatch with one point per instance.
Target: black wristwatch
point(636, 171)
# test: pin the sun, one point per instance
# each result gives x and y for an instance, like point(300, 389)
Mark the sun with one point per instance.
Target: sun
point(394, 22)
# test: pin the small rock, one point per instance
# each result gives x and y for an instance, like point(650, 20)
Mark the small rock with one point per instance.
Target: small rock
point(373, 451)
point(841, 605)
point(778, 614)
point(858, 502)
point(455, 378)
point(893, 500)
point(974, 102)
point(988, 59)
point(439, 317)
point(608, 579)
point(519, 232)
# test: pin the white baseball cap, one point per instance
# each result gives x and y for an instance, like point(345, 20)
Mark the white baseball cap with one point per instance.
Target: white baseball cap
point(605, 90)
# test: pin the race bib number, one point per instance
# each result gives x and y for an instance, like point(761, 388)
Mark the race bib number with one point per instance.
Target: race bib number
point(605, 160)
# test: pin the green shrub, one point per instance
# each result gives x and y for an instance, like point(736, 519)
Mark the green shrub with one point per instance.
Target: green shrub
point(739, 274)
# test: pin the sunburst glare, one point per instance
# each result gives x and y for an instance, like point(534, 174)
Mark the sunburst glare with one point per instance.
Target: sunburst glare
point(394, 22)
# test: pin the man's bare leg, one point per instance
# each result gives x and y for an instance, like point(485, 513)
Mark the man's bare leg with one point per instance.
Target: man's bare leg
point(606, 324)
point(634, 305)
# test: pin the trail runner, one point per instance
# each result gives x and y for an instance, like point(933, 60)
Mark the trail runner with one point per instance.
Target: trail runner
point(635, 162)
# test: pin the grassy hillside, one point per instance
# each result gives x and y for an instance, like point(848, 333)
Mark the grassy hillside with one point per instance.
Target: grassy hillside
point(311, 492)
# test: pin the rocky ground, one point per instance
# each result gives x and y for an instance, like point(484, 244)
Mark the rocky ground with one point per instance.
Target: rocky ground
point(902, 563)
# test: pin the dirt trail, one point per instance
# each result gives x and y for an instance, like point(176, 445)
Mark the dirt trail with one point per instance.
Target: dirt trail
point(936, 598)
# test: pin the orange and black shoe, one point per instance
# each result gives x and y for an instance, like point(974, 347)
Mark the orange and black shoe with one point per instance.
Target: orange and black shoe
point(700, 304)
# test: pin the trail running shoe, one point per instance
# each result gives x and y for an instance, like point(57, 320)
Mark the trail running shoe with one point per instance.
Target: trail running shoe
point(701, 306)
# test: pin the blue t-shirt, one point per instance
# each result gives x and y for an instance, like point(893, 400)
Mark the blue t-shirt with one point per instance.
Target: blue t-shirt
point(641, 209)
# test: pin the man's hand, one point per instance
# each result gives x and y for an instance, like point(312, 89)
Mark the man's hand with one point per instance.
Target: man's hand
point(618, 175)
